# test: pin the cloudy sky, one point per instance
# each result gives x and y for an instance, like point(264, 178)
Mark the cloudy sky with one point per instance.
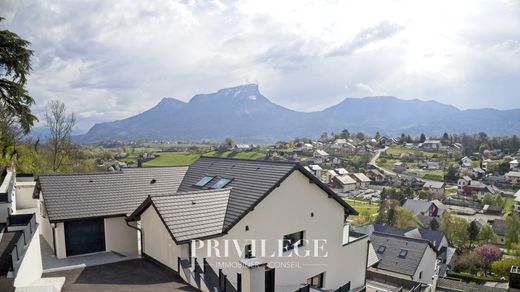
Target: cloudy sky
point(111, 59)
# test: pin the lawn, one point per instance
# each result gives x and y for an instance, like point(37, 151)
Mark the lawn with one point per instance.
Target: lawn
point(187, 158)
point(173, 159)
point(437, 175)
point(397, 151)
point(360, 206)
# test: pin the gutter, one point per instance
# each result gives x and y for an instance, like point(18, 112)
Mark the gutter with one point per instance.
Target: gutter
point(140, 233)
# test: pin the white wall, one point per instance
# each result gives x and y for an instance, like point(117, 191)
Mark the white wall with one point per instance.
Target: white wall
point(119, 237)
point(59, 233)
point(427, 267)
point(157, 241)
point(287, 210)
point(24, 193)
point(45, 225)
point(31, 268)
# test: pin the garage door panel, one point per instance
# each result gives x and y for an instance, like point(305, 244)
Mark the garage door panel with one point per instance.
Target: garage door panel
point(85, 236)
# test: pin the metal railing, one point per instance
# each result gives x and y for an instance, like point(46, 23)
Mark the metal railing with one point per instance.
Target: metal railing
point(344, 288)
point(18, 250)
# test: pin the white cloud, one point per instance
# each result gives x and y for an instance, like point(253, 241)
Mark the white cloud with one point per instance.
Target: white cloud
point(111, 59)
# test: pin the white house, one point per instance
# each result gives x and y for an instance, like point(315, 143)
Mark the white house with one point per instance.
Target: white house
point(228, 200)
point(314, 169)
point(250, 205)
point(466, 162)
point(513, 177)
point(436, 188)
point(345, 182)
point(362, 180)
point(513, 164)
point(434, 145)
point(461, 182)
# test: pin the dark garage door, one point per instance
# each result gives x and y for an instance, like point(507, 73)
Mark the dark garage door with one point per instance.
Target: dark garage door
point(84, 236)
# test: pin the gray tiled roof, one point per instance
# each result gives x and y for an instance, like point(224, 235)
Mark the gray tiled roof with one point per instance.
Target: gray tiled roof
point(390, 260)
point(193, 215)
point(251, 181)
point(72, 196)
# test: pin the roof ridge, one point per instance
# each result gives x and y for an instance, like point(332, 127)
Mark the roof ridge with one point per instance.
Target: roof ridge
point(108, 172)
point(403, 237)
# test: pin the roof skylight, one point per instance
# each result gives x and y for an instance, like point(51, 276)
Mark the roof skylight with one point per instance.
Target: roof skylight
point(203, 181)
point(403, 253)
point(221, 183)
point(381, 249)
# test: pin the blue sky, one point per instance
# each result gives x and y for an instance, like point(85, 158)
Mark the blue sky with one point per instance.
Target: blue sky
point(108, 60)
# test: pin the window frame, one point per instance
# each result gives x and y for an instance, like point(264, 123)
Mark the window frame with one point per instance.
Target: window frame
point(219, 180)
point(403, 253)
point(381, 249)
point(198, 183)
point(289, 245)
point(319, 278)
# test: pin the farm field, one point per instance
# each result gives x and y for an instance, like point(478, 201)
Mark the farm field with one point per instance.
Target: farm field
point(187, 158)
point(360, 206)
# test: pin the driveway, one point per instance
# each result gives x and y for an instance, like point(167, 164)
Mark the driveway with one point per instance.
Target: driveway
point(132, 275)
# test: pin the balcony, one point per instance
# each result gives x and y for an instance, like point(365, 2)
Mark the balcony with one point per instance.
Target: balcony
point(353, 233)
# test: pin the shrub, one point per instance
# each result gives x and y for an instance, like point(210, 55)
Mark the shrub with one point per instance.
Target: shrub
point(502, 267)
point(489, 253)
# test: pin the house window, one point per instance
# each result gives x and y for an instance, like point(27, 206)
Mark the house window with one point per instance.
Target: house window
point(420, 275)
point(381, 249)
point(403, 253)
point(293, 240)
point(316, 281)
point(249, 252)
point(203, 181)
point(221, 183)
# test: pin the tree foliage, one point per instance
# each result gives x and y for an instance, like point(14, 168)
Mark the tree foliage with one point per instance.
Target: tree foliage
point(456, 230)
point(486, 234)
point(489, 253)
point(15, 57)
point(512, 228)
point(503, 266)
point(405, 218)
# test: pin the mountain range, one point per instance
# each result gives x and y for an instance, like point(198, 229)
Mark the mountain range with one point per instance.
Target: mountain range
point(247, 116)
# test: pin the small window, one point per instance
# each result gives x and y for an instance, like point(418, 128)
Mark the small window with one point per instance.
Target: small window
point(403, 253)
point(293, 240)
point(249, 252)
point(316, 281)
point(203, 181)
point(381, 249)
point(221, 183)
point(420, 275)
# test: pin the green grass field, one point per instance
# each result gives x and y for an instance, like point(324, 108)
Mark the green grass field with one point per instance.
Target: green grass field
point(359, 206)
point(397, 151)
point(187, 158)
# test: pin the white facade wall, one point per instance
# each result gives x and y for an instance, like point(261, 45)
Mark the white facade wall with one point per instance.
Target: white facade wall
point(31, 268)
point(119, 237)
point(24, 195)
point(157, 241)
point(427, 267)
point(287, 210)
point(59, 239)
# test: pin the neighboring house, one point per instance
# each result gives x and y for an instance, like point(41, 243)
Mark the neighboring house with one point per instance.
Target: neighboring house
point(436, 188)
point(399, 166)
point(315, 170)
point(513, 164)
point(362, 180)
point(95, 205)
point(492, 210)
point(426, 221)
point(513, 177)
point(402, 257)
point(461, 182)
point(267, 200)
point(499, 227)
point(433, 145)
point(375, 175)
point(477, 172)
point(422, 207)
point(478, 188)
point(344, 182)
point(321, 153)
point(438, 240)
point(241, 147)
point(466, 162)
